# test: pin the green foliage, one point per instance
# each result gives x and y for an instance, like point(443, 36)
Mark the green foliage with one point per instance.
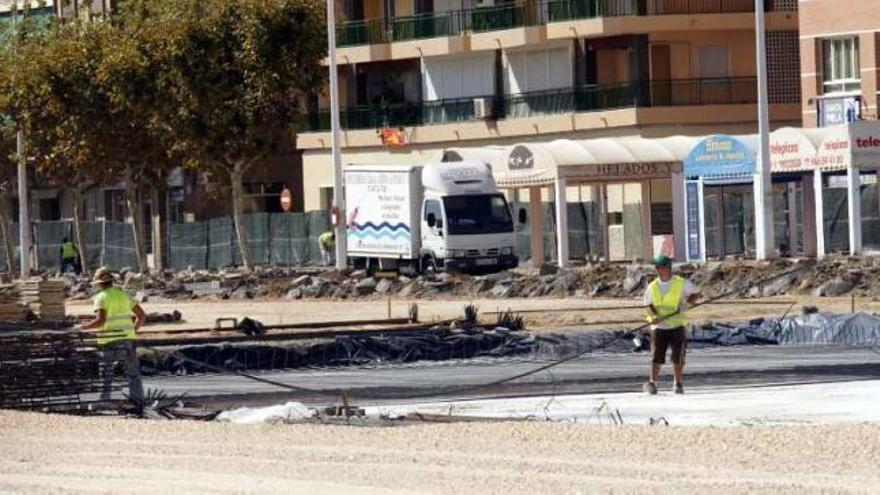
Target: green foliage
point(216, 82)
point(471, 313)
point(213, 84)
point(231, 73)
point(510, 321)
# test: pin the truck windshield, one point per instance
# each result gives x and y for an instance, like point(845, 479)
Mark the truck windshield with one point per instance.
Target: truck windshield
point(477, 214)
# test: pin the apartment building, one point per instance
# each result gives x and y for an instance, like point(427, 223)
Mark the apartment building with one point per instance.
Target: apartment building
point(840, 55)
point(418, 77)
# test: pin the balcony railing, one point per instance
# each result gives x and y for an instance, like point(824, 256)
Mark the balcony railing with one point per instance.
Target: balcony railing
point(586, 98)
point(529, 13)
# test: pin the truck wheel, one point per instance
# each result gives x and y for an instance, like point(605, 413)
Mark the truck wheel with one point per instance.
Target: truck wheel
point(429, 265)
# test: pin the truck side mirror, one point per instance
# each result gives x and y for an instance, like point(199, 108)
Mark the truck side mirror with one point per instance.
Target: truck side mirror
point(432, 220)
point(523, 216)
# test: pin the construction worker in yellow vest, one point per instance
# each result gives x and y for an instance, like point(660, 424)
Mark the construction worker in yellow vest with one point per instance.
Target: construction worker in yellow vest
point(666, 299)
point(327, 243)
point(117, 319)
point(69, 257)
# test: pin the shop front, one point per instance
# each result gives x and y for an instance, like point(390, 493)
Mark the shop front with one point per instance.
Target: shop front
point(719, 194)
point(599, 196)
point(826, 196)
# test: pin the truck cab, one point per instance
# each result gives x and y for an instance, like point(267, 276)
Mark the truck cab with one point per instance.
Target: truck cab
point(466, 223)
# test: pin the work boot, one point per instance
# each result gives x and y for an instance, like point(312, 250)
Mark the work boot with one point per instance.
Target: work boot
point(679, 388)
point(650, 388)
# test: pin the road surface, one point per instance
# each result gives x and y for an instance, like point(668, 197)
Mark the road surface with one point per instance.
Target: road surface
point(595, 373)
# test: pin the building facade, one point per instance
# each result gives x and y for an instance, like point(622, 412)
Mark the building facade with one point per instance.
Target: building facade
point(839, 61)
point(420, 76)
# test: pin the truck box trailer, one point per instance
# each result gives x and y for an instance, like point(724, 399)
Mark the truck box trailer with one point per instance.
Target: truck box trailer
point(430, 217)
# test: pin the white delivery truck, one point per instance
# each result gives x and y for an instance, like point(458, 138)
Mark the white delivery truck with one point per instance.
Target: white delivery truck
point(439, 216)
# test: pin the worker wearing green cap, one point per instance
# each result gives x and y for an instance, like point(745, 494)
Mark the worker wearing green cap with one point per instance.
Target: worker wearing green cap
point(666, 299)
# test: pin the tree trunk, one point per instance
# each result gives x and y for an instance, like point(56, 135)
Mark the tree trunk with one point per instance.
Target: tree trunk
point(6, 225)
point(235, 176)
point(81, 243)
point(136, 218)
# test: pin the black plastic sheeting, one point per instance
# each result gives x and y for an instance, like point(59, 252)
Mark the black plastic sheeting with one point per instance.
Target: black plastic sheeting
point(857, 329)
point(342, 351)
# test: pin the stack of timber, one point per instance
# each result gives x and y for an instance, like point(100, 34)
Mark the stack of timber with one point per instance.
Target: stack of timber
point(11, 309)
point(48, 370)
point(45, 298)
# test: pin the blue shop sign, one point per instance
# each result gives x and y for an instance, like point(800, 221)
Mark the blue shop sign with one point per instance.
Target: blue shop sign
point(720, 156)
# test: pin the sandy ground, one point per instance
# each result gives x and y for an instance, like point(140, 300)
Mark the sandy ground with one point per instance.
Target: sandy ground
point(560, 312)
point(50, 453)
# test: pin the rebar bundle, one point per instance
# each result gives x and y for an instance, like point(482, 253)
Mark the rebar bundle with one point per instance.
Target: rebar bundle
point(48, 370)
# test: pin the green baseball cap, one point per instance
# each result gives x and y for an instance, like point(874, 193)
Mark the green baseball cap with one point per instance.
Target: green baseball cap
point(662, 260)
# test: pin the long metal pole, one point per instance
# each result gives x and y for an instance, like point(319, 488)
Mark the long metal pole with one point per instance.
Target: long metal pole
point(764, 242)
point(24, 220)
point(335, 141)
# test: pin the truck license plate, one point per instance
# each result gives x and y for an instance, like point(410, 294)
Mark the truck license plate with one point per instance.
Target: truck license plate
point(487, 261)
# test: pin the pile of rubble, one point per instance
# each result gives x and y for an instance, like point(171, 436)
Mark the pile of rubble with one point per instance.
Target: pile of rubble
point(833, 276)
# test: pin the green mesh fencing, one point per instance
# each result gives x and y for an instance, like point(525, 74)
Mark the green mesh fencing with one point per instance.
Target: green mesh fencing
point(221, 236)
point(549, 231)
point(188, 245)
point(289, 243)
point(119, 249)
point(871, 216)
point(522, 231)
point(257, 233)
point(93, 236)
point(318, 222)
point(836, 220)
point(15, 248)
point(48, 237)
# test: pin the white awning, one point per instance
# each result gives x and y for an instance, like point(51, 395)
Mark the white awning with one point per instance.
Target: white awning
point(634, 158)
point(538, 164)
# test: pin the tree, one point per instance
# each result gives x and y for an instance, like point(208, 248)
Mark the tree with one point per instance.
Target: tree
point(136, 144)
point(231, 79)
point(83, 99)
point(66, 118)
point(28, 24)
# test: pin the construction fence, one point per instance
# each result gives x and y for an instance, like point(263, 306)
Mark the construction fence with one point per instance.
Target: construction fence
point(282, 239)
point(108, 244)
point(291, 239)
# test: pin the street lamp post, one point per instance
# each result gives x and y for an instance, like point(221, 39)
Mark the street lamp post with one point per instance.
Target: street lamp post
point(336, 152)
point(763, 186)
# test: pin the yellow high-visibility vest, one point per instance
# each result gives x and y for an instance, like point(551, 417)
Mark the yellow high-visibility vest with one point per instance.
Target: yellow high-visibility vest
point(68, 251)
point(326, 240)
point(119, 324)
point(669, 303)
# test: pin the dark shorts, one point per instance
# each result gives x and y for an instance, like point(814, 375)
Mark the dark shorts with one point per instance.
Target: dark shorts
point(675, 338)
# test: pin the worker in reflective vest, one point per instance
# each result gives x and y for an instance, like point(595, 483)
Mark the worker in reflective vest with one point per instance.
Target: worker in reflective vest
point(117, 319)
point(327, 243)
point(666, 299)
point(69, 257)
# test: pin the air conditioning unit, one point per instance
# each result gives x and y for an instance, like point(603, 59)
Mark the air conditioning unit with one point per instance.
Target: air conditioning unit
point(483, 108)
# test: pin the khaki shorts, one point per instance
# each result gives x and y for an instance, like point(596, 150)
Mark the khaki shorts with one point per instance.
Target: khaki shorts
point(675, 338)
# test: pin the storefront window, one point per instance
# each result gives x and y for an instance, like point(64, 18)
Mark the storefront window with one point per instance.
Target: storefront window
point(840, 65)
